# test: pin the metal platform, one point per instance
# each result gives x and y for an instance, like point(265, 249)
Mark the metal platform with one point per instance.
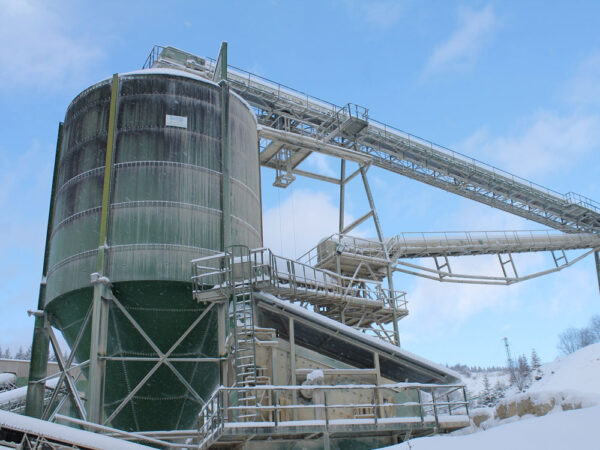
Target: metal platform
point(361, 303)
point(333, 410)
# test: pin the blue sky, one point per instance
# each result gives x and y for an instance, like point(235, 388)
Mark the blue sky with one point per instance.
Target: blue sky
point(515, 84)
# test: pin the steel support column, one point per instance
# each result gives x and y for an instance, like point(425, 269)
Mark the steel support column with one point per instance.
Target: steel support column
point(220, 76)
point(363, 173)
point(293, 381)
point(342, 210)
point(597, 259)
point(99, 333)
point(34, 405)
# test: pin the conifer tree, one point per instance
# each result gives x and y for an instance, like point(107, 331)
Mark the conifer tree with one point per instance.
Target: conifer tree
point(523, 372)
point(535, 360)
point(499, 390)
point(486, 395)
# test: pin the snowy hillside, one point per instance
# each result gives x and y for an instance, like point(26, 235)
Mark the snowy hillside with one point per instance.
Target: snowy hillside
point(579, 370)
point(475, 381)
point(569, 430)
point(565, 399)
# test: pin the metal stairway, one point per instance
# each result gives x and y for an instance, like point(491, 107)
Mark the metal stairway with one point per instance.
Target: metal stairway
point(228, 277)
point(244, 351)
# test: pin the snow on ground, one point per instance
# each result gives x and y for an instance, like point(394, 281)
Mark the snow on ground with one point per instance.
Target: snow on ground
point(7, 378)
point(579, 370)
point(475, 384)
point(566, 398)
point(569, 430)
point(19, 394)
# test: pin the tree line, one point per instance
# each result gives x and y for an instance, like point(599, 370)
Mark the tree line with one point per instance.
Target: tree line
point(23, 354)
point(573, 339)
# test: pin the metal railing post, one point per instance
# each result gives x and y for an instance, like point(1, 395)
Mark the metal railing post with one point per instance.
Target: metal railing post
point(435, 411)
point(421, 407)
point(276, 412)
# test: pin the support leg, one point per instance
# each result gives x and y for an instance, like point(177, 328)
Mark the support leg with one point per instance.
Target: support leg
point(363, 173)
point(597, 258)
point(99, 337)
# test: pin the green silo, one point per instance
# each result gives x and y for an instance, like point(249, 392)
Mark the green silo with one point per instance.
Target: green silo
point(165, 209)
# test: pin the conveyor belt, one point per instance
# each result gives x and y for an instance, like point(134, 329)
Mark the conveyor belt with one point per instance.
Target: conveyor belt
point(353, 251)
point(303, 124)
point(315, 125)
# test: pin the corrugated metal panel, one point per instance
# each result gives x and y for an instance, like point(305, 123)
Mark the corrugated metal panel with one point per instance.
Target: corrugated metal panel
point(165, 209)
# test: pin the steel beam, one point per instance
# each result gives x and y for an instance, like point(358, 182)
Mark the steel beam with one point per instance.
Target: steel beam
point(363, 173)
point(65, 372)
point(163, 357)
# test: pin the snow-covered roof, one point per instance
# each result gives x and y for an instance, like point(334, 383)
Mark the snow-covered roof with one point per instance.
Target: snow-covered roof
point(173, 72)
point(371, 341)
point(63, 433)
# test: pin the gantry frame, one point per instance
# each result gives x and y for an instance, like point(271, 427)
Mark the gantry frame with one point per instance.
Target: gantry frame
point(292, 125)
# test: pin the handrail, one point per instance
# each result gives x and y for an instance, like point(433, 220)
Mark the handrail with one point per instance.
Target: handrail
point(215, 276)
point(277, 271)
point(330, 406)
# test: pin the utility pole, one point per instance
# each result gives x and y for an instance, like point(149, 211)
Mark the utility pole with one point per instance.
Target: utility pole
point(510, 363)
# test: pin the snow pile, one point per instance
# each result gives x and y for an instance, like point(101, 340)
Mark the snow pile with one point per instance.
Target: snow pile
point(579, 370)
point(7, 378)
point(19, 394)
point(315, 377)
point(568, 430)
point(564, 384)
point(54, 431)
point(565, 398)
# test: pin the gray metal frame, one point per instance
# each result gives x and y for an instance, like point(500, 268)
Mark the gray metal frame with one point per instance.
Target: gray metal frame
point(219, 419)
point(371, 258)
point(360, 303)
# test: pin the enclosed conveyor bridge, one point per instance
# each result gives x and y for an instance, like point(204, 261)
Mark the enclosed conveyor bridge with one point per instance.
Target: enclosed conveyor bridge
point(370, 258)
point(296, 124)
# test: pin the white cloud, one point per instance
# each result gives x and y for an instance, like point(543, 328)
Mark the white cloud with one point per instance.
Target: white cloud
point(381, 13)
point(464, 45)
point(438, 308)
point(321, 164)
point(544, 144)
point(301, 220)
point(41, 52)
point(584, 87)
